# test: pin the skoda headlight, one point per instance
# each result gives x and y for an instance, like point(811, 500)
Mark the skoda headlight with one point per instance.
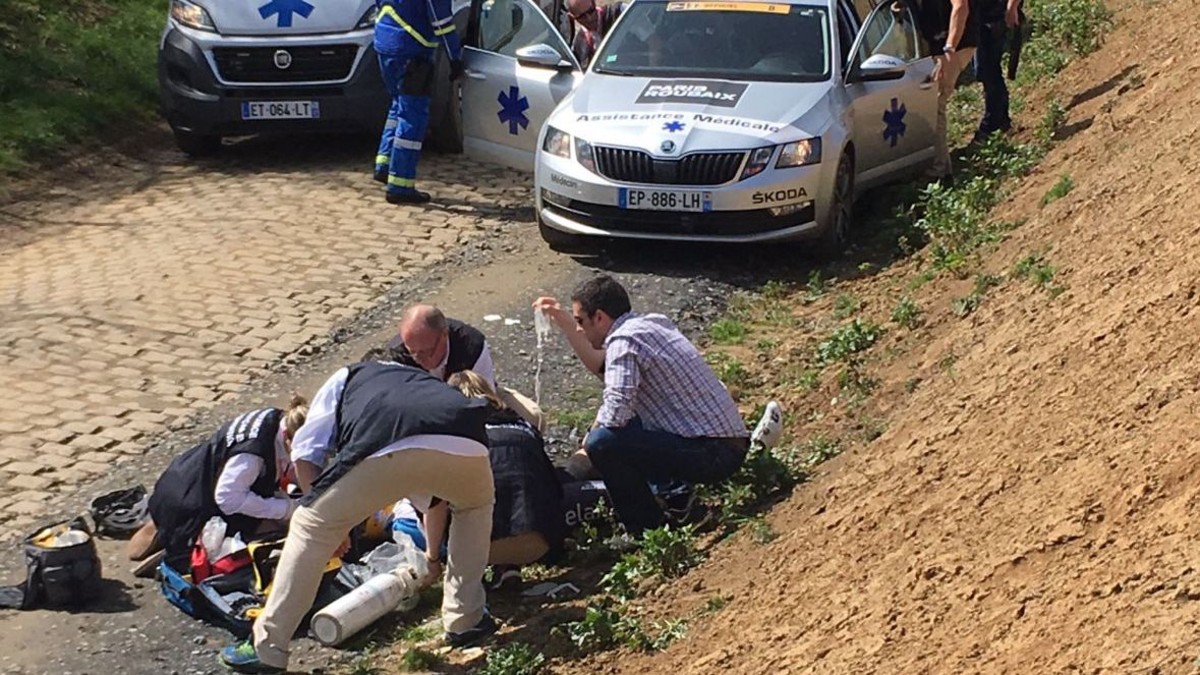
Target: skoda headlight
point(367, 20)
point(800, 153)
point(191, 15)
point(557, 142)
point(758, 161)
point(584, 155)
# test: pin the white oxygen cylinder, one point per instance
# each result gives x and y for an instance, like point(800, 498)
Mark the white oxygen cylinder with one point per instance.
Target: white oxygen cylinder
point(364, 605)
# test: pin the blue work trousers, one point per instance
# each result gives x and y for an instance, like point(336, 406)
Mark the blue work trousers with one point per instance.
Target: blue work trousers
point(407, 120)
point(990, 73)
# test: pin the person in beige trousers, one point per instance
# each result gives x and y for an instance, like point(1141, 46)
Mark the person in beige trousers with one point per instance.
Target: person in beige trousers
point(395, 431)
point(952, 31)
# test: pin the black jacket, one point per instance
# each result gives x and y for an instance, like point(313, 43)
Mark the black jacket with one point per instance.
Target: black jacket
point(183, 499)
point(933, 17)
point(466, 346)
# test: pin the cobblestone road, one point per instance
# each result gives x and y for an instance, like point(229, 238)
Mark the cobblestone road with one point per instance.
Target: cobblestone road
point(124, 311)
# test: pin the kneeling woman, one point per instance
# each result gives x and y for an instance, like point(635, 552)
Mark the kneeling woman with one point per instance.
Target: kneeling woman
point(527, 520)
point(236, 474)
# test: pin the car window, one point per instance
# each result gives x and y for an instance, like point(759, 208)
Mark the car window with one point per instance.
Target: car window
point(508, 25)
point(890, 32)
point(704, 38)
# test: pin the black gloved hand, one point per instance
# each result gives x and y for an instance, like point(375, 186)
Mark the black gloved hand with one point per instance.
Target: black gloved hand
point(456, 69)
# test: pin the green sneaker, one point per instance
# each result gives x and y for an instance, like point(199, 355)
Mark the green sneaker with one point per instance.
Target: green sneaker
point(241, 658)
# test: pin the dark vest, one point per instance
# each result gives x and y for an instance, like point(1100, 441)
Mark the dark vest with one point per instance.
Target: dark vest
point(383, 402)
point(933, 17)
point(466, 345)
point(183, 499)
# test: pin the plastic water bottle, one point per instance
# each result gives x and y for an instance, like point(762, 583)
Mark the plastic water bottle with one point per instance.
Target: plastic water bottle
point(541, 325)
point(364, 605)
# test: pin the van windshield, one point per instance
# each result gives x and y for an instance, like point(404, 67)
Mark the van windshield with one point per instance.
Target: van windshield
point(710, 38)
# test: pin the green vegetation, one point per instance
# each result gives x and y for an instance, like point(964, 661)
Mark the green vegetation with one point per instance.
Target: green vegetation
point(727, 332)
point(847, 341)
point(1035, 269)
point(983, 283)
point(907, 314)
point(516, 658)
point(1058, 190)
point(418, 659)
point(845, 306)
point(69, 70)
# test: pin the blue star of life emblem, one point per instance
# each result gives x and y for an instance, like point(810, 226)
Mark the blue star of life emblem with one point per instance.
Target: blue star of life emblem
point(284, 10)
point(512, 110)
point(893, 120)
point(673, 126)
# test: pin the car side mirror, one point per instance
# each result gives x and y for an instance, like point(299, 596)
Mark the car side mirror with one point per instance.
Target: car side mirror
point(878, 73)
point(542, 56)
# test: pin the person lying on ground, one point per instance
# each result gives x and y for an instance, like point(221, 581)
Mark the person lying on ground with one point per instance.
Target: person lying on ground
point(445, 346)
point(378, 431)
point(664, 415)
point(527, 519)
point(237, 474)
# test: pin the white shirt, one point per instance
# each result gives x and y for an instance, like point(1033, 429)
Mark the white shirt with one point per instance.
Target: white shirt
point(233, 493)
point(312, 442)
point(483, 365)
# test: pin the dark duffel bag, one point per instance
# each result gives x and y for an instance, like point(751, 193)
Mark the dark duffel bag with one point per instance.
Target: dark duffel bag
point(62, 569)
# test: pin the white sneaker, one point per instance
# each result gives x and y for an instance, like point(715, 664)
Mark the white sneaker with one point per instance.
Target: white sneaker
point(770, 427)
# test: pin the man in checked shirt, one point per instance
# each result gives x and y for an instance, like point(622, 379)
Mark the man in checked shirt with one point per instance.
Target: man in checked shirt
point(664, 416)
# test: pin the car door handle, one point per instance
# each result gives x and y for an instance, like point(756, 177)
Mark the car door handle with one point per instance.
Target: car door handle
point(475, 75)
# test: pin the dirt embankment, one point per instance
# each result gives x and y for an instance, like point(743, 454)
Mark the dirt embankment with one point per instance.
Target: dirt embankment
point(1032, 505)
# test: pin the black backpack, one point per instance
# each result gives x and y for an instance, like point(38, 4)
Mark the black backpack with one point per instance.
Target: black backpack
point(57, 576)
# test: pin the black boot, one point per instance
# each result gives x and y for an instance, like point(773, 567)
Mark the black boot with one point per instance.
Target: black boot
point(381, 175)
point(414, 197)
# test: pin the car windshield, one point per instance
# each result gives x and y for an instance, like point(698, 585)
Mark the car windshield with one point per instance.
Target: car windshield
point(710, 38)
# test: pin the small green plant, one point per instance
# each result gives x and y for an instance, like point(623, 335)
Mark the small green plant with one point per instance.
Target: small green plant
point(418, 659)
point(1059, 190)
point(715, 604)
point(848, 340)
point(907, 314)
point(983, 283)
point(911, 384)
point(809, 380)
point(766, 345)
point(603, 627)
point(575, 419)
point(820, 449)
point(1052, 120)
point(728, 369)
point(852, 379)
point(816, 286)
point(363, 664)
point(845, 306)
point(774, 290)
point(1035, 269)
point(516, 658)
point(419, 632)
point(668, 632)
point(727, 332)
point(761, 531)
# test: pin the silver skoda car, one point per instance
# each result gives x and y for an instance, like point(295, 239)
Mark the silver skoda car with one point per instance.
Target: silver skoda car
point(734, 121)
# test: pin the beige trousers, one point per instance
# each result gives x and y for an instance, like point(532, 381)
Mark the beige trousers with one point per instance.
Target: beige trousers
point(317, 531)
point(950, 74)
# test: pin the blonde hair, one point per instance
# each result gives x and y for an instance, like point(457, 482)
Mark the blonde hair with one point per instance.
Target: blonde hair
point(472, 384)
point(296, 414)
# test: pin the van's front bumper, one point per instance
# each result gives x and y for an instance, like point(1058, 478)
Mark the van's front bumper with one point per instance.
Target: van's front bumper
point(194, 98)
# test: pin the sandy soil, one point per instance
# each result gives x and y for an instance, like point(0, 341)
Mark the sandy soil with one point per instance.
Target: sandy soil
point(1031, 505)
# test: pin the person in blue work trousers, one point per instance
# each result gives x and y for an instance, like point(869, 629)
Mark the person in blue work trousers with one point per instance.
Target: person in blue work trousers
point(407, 33)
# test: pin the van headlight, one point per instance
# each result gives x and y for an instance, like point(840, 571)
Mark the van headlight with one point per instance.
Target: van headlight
point(584, 154)
point(191, 15)
point(557, 142)
point(800, 153)
point(367, 20)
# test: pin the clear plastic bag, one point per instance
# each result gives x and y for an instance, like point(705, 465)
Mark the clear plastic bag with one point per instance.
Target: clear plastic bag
point(390, 556)
point(213, 537)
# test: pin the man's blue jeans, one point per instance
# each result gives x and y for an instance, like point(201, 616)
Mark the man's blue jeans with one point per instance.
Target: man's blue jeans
point(630, 457)
point(990, 72)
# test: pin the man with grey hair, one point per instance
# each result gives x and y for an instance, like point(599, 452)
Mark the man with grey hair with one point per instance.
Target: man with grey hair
point(444, 346)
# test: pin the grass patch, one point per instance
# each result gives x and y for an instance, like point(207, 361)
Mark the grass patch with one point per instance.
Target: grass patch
point(848, 340)
point(417, 659)
point(1035, 269)
point(727, 332)
point(907, 314)
point(516, 658)
point(575, 419)
point(1059, 190)
point(68, 70)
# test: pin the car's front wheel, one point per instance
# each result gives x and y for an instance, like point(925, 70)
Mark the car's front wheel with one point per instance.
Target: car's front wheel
point(560, 241)
point(836, 236)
